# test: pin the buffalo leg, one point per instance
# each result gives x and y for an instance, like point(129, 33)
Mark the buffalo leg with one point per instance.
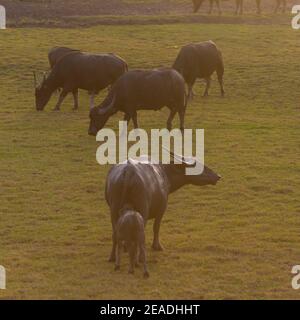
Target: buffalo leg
point(283, 6)
point(118, 255)
point(237, 6)
point(92, 104)
point(143, 256)
point(61, 98)
point(211, 5)
point(220, 79)
point(137, 253)
point(258, 6)
point(134, 119)
point(218, 6)
point(181, 119)
point(277, 6)
point(170, 119)
point(241, 6)
point(112, 257)
point(75, 96)
point(207, 87)
point(114, 243)
point(127, 118)
point(132, 257)
point(190, 90)
point(156, 244)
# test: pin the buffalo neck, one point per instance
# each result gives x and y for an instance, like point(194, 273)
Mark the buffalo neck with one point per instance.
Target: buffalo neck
point(175, 180)
point(52, 82)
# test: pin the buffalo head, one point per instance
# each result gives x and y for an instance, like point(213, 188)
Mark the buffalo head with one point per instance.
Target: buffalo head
point(42, 93)
point(99, 116)
point(177, 173)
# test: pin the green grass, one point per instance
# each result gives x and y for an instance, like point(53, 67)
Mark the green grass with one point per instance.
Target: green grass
point(239, 239)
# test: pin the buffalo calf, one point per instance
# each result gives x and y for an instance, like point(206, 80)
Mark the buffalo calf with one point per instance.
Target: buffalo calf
point(130, 233)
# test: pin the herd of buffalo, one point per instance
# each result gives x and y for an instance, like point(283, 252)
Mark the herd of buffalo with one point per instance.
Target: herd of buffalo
point(239, 6)
point(136, 191)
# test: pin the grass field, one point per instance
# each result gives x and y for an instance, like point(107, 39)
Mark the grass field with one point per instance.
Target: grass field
point(238, 239)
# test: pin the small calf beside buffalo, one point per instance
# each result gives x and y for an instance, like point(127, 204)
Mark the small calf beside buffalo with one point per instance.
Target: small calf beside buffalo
point(142, 90)
point(200, 61)
point(131, 235)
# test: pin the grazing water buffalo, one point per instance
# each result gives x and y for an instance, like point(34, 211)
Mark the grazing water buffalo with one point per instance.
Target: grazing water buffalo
point(239, 6)
point(142, 89)
point(77, 70)
point(131, 235)
point(55, 55)
point(282, 4)
point(146, 188)
point(197, 4)
point(200, 60)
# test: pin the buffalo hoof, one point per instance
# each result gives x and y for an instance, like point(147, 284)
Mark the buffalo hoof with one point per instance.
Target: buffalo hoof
point(146, 275)
point(131, 271)
point(75, 108)
point(56, 109)
point(117, 268)
point(157, 247)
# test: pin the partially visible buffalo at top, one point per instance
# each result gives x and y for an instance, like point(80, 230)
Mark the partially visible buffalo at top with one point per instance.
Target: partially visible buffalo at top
point(197, 4)
point(75, 70)
point(200, 61)
point(57, 53)
point(142, 90)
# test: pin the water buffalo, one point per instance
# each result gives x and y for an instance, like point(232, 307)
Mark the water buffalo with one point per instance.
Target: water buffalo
point(146, 188)
point(131, 235)
point(200, 60)
point(197, 4)
point(282, 4)
point(54, 56)
point(57, 53)
point(238, 8)
point(142, 89)
point(77, 70)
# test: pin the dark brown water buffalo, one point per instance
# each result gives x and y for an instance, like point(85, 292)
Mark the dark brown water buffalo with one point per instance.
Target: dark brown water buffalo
point(142, 89)
point(77, 70)
point(200, 60)
point(197, 4)
point(239, 5)
point(54, 56)
point(282, 4)
point(146, 188)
